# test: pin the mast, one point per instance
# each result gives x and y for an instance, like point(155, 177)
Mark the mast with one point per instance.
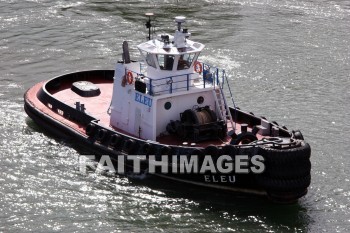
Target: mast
point(148, 24)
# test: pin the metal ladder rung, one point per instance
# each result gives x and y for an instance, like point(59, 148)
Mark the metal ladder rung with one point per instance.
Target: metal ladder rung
point(222, 106)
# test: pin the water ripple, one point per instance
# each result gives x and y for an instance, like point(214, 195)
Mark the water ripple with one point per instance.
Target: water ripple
point(291, 56)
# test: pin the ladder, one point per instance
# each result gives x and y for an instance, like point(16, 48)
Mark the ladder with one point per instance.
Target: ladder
point(222, 107)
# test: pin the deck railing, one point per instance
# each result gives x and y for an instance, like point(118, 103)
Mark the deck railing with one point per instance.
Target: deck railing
point(209, 77)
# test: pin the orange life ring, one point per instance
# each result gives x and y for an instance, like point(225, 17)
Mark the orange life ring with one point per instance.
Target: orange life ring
point(198, 67)
point(129, 77)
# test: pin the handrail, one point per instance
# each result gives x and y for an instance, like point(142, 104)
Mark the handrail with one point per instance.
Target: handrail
point(231, 96)
point(209, 76)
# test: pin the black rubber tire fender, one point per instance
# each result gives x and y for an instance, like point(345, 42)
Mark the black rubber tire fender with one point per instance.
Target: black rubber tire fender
point(90, 129)
point(293, 171)
point(101, 135)
point(297, 156)
point(147, 149)
point(116, 140)
point(165, 150)
point(197, 152)
point(211, 150)
point(283, 185)
point(230, 150)
point(130, 146)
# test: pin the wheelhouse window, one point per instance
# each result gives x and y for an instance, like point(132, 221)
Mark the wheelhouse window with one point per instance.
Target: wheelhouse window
point(185, 61)
point(166, 62)
point(150, 61)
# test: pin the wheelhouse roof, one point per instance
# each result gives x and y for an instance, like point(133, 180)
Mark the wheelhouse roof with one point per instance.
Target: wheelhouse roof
point(156, 46)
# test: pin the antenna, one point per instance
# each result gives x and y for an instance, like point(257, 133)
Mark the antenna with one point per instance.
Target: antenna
point(179, 20)
point(148, 24)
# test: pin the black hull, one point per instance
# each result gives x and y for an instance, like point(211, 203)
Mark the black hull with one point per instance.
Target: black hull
point(58, 129)
point(285, 179)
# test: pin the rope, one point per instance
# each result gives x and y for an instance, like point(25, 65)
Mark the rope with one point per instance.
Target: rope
point(204, 117)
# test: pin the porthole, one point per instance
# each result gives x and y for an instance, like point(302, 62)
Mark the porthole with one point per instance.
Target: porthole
point(167, 105)
point(200, 100)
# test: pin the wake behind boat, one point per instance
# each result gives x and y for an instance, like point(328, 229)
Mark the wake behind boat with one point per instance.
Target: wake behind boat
point(172, 108)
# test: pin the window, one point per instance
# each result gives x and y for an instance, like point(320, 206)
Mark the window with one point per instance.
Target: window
point(166, 62)
point(200, 100)
point(167, 105)
point(185, 61)
point(150, 60)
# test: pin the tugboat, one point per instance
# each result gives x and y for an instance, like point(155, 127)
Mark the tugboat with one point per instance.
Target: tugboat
point(172, 110)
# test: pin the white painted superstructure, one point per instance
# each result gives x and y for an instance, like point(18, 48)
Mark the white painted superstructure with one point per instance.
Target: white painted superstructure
point(143, 103)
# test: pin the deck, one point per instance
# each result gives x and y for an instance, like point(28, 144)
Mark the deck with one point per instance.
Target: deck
point(98, 107)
